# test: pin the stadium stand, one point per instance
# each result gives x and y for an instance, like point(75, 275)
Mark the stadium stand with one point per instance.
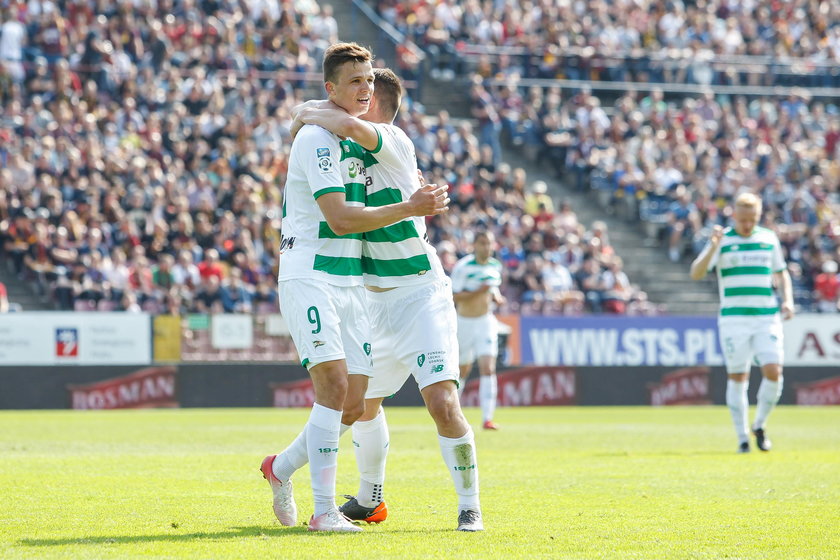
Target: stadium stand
point(144, 147)
point(671, 163)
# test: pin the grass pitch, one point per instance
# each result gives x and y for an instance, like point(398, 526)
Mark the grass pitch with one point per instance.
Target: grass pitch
point(555, 483)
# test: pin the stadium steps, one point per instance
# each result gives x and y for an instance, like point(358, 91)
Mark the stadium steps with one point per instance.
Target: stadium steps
point(646, 265)
point(355, 24)
point(22, 293)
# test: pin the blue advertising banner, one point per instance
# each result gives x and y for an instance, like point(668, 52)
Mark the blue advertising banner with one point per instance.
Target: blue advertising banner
point(602, 340)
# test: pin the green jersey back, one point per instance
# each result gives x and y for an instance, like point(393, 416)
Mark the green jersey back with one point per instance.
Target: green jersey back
point(398, 254)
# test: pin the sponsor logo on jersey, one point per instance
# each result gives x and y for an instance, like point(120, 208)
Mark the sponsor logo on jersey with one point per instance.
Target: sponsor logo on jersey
point(421, 359)
point(367, 348)
point(286, 243)
point(317, 343)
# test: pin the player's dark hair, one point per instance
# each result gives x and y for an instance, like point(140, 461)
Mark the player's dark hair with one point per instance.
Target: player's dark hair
point(341, 53)
point(388, 91)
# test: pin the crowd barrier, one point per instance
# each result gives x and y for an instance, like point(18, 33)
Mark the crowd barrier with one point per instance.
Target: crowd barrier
point(122, 360)
point(44, 338)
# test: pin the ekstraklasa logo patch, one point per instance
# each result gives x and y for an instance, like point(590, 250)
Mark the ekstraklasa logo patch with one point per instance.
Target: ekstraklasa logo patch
point(324, 160)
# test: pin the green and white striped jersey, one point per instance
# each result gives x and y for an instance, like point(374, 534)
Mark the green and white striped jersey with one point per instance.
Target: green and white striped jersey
point(309, 249)
point(399, 254)
point(468, 275)
point(745, 267)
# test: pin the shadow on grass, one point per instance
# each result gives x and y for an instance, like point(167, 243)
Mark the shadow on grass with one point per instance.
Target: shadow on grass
point(175, 536)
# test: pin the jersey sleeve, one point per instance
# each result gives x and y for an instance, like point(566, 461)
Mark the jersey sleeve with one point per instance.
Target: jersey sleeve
point(394, 147)
point(320, 155)
point(459, 278)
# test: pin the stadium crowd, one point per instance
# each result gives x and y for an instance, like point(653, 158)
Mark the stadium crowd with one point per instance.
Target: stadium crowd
point(144, 151)
point(677, 165)
point(673, 164)
point(757, 42)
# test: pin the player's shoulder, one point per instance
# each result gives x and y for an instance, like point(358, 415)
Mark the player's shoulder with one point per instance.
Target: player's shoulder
point(392, 134)
point(494, 262)
point(465, 260)
point(765, 232)
point(310, 134)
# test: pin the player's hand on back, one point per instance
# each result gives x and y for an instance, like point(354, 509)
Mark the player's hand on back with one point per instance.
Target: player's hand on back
point(430, 200)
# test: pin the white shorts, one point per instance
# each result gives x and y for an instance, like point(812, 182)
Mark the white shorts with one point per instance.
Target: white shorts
point(328, 323)
point(414, 334)
point(477, 336)
point(748, 338)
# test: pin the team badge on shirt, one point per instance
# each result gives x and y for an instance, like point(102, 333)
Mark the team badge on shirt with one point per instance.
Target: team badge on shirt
point(324, 161)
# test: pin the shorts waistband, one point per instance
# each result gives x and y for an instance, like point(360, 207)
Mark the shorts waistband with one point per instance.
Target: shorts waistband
point(402, 292)
point(476, 319)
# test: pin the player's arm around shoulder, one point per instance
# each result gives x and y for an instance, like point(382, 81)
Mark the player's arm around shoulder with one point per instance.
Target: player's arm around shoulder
point(700, 265)
point(339, 122)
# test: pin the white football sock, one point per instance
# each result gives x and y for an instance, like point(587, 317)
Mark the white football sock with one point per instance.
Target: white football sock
point(768, 395)
point(295, 456)
point(488, 391)
point(370, 441)
point(461, 460)
point(736, 400)
point(322, 446)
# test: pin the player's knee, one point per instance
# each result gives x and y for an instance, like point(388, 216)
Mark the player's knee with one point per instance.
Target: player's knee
point(352, 412)
point(443, 406)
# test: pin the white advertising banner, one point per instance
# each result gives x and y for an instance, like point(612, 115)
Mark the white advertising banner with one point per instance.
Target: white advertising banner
point(813, 340)
point(73, 338)
point(232, 331)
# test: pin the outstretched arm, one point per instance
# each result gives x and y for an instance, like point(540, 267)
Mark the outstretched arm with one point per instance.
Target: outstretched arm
point(701, 264)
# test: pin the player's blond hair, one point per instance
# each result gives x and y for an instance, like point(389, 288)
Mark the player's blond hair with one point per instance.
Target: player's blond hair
point(748, 201)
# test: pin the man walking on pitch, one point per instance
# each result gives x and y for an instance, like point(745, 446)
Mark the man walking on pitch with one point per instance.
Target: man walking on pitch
point(475, 282)
point(749, 260)
point(411, 309)
point(320, 287)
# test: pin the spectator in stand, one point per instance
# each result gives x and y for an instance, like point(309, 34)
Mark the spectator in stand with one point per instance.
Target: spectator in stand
point(616, 286)
point(235, 297)
point(683, 222)
point(4, 298)
point(827, 288)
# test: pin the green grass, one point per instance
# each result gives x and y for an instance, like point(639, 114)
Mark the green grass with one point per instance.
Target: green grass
point(555, 482)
